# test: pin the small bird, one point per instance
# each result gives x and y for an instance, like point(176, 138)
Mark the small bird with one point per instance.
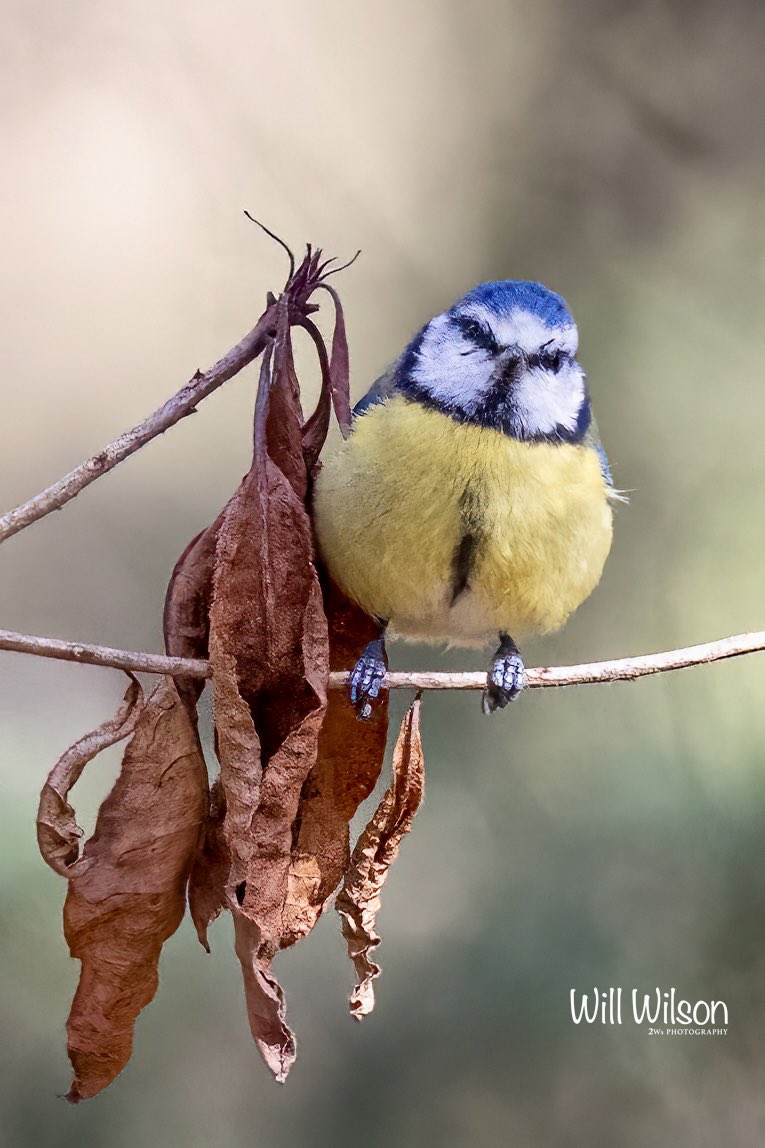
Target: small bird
point(472, 497)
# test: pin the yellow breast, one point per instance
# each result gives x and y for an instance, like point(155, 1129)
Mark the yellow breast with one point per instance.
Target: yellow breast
point(394, 503)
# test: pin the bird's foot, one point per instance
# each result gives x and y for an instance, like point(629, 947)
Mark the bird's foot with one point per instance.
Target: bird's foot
point(367, 677)
point(506, 678)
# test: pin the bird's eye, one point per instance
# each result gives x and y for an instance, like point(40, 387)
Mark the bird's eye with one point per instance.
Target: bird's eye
point(475, 331)
point(553, 360)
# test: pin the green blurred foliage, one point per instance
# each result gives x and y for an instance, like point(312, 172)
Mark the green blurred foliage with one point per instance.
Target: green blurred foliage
point(604, 836)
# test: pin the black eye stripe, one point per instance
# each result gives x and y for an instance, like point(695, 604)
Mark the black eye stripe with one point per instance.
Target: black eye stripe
point(550, 360)
point(477, 333)
point(483, 339)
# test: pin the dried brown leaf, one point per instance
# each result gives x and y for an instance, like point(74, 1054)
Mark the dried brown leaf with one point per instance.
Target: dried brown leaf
point(358, 902)
point(339, 366)
point(186, 625)
point(283, 432)
point(209, 872)
point(270, 839)
point(127, 892)
point(315, 431)
point(275, 843)
point(185, 620)
point(58, 834)
point(269, 656)
point(348, 764)
point(266, 1005)
point(316, 428)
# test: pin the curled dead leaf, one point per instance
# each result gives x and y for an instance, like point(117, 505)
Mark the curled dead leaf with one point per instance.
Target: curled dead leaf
point(358, 902)
point(209, 872)
point(58, 834)
point(270, 839)
point(126, 893)
point(348, 764)
point(266, 1004)
point(269, 658)
point(339, 366)
point(185, 620)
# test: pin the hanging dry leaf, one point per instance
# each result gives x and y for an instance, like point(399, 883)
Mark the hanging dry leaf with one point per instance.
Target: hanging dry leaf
point(58, 834)
point(269, 657)
point(246, 592)
point(209, 872)
point(279, 418)
point(185, 621)
point(186, 625)
point(266, 890)
point(348, 764)
point(269, 839)
point(358, 902)
point(291, 776)
point(340, 365)
point(127, 892)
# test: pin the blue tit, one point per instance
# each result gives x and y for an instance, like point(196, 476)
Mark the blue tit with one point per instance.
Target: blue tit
point(472, 497)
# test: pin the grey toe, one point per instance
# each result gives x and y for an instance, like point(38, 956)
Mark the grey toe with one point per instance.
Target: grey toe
point(505, 681)
point(367, 678)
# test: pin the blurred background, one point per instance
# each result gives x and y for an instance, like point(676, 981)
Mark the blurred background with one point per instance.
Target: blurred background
point(601, 836)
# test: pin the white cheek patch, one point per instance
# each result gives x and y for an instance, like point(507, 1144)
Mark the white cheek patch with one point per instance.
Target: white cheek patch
point(522, 329)
point(544, 401)
point(459, 376)
point(451, 368)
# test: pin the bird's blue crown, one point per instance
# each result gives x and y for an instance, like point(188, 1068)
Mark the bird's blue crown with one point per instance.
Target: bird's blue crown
point(507, 295)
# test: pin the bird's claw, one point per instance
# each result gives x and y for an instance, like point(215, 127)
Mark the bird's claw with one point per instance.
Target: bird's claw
point(367, 678)
point(505, 679)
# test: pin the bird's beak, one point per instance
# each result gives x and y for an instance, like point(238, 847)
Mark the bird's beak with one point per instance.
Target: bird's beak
point(511, 365)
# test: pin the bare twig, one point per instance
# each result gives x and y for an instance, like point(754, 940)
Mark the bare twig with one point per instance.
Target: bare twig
point(277, 239)
point(176, 408)
point(91, 655)
point(619, 670)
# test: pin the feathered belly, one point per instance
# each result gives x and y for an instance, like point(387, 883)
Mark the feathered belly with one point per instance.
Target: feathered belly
point(453, 532)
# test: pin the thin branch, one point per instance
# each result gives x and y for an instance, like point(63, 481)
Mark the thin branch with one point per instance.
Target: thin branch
point(277, 239)
point(619, 670)
point(103, 656)
point(176, 408)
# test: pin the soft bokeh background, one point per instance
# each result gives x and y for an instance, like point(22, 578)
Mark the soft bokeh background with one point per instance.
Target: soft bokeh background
point(600, 836)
